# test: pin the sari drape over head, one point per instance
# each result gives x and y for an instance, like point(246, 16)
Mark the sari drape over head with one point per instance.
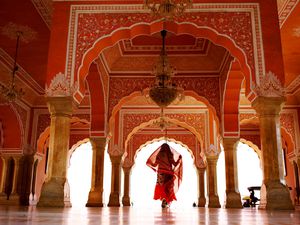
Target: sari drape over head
point(167, 163)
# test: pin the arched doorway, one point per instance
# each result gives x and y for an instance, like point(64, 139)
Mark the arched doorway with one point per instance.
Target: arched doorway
point(79, 174)
point(249, 171)
point(143, 179)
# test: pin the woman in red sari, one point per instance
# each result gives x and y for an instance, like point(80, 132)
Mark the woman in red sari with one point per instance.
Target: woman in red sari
point(168, 165)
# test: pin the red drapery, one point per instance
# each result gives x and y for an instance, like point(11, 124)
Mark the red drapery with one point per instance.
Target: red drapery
point(167, 163)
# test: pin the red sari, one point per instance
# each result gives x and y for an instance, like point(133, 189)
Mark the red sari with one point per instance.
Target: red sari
point(167, 163)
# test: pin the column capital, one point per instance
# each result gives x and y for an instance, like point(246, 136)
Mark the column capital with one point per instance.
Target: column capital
point(268, 105)
point(230, 144)
point(127, 169)
point(115, 159)
point(61, 105)
point(98, 142)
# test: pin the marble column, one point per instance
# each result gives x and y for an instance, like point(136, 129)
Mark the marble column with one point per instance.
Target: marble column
point(114, 198)
point(14, 197)
point(201, 198)
point(3, 195)
point(96, 193)
point(274, 194)
point(211, 173)
point(52, 193)
point(233, 197)
point(126, 197)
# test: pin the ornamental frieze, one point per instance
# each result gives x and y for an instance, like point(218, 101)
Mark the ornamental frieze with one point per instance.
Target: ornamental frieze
point(207, 87)
point(239, 23)
point(236, 25)
point(131, 121)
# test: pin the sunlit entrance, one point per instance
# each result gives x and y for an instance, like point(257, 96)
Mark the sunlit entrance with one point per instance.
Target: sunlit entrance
point(143, 179)
point(80, 172)
point(249, 171)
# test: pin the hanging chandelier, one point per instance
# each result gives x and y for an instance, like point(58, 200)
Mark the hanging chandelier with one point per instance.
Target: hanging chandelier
point(15, 32)
point(164, 91)
point(10, 92)
point(168, 8)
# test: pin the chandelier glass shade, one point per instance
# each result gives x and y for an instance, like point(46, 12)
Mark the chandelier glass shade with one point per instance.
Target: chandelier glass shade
point(164, 91)
point(168, 8)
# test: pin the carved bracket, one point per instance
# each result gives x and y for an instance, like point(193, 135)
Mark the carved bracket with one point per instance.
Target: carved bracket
point(60, 86)
point(270, 86)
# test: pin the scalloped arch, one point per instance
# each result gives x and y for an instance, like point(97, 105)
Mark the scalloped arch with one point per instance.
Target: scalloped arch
point(150, 28)
point(173, 121)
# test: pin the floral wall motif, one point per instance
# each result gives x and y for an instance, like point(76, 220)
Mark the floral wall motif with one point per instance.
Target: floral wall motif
point(238, 22)
point(254, 138)
point(92, 26)
point(287, 122)
point(206, 87)
point(75, 138)
point(130, 121)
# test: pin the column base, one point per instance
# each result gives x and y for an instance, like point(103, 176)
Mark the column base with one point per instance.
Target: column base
point(95, 199)
point(114, 200)
point(126, 201)
point(201, 202)
point(233, 200)
point(14, 199)
point(275, 195)
point(53, 194)
point(213, 202)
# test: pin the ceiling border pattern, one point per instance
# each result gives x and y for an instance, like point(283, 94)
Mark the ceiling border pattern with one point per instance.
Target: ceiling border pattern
point(78, 11)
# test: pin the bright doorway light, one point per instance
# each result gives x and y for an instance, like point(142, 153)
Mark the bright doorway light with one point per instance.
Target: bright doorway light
point(248, 169)
point(79, 174)
point(143, 179)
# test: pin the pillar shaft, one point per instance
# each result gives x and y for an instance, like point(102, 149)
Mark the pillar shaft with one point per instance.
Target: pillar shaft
point(233, 197)
point(201, 198)
point(126, 197)
point(213, 198)
point(114, 198)
point(3, 176)
point(52, 193)
point(274, 195)
point(96, 193)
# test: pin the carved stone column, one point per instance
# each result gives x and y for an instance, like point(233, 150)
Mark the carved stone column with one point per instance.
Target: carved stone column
point(201, 198)
point(3, 195)
point(211, 173)
point(274, 195)
point(114, 198)
point(14, 197)
point(52, 193)
point(126, 198)
point(96, 193)
point(233, 197)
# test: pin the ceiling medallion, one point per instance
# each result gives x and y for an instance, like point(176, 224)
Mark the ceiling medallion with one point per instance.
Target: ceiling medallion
point(168, 8)
point(164, 91)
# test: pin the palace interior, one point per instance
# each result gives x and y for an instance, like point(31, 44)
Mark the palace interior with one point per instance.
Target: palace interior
point(85, 69)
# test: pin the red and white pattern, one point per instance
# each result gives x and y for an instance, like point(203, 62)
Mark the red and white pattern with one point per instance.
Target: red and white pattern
point(239, 22)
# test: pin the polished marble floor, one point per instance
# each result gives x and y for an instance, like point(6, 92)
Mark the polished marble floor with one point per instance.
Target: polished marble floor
point(12, 215)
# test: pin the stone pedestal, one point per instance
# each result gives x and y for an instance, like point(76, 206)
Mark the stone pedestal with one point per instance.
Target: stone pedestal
point(274, 195)
point(201, 198)
point(52, 193)
point(233, 197)
point(213, 198)
point(114, 198)
point(95, 198)
point(126, 198)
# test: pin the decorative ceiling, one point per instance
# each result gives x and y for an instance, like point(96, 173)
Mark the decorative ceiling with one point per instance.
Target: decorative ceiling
point(190, 56)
